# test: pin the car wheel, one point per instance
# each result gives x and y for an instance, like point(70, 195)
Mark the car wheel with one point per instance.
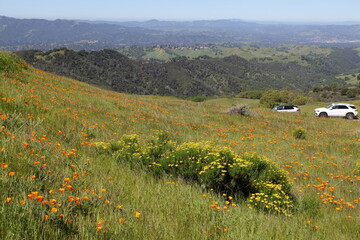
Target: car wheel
point(349, 116)
point(323, 115)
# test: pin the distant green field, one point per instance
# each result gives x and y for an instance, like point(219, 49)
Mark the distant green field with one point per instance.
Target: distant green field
point(288, 53)
point(350, 78)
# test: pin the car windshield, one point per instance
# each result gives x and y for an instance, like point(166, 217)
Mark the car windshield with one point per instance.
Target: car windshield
point(330, 106)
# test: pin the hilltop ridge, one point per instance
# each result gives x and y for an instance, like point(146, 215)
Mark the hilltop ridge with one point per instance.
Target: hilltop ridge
point(183, 77)
point(21, 34)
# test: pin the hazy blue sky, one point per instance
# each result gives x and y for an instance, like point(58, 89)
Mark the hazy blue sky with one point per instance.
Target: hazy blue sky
point(260, 10)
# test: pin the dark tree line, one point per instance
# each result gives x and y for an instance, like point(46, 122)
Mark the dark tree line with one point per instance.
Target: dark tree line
point(183, 77)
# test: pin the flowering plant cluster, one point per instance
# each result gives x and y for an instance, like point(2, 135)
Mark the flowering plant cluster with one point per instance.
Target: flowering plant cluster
point(248, 176)
point(299, 133)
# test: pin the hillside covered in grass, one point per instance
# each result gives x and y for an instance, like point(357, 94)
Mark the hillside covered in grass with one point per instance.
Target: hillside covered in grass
point(69, 170)
point(237, 70)
point(281, 53)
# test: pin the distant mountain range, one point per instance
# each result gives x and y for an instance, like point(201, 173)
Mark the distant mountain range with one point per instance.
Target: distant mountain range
point(19, 34)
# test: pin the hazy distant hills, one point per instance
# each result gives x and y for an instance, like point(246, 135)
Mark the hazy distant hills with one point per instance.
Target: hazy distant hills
point(189, 26)
point(260, 34)
point(17, 34)
point(185, 77)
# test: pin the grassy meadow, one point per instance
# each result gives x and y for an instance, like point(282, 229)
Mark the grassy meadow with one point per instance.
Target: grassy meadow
point(55, 184)
point(286, 53)
point(352, 78)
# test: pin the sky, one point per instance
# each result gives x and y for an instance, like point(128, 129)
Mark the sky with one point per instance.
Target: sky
point(185, 10)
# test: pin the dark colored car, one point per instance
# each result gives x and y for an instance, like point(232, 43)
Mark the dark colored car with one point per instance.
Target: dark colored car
point(287, 108)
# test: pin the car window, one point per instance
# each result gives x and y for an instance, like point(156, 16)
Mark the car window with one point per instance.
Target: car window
point(280, 107)
point(342, 107)
point(329, 107)
point(353, 107)
point(288, 107)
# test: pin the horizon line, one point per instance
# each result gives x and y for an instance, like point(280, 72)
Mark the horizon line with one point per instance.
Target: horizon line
point(260, 21)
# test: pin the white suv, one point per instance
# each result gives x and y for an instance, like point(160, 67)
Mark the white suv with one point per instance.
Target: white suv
point(346, 110)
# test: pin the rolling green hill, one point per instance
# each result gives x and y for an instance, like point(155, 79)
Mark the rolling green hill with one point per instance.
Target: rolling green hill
point(205, 76)
point(284, 53)
point(70, 165)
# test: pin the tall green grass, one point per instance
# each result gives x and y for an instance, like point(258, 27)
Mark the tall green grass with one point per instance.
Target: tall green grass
point(48, 127)
point(10, 63)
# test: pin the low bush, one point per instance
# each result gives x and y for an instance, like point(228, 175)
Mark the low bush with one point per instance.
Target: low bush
point(270, 98)
point(198, 98)
point(241, 109)
point(254, 94)
point(248, 176)
point(299, 133)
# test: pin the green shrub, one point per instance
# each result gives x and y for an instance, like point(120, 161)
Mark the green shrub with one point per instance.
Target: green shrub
point(299, 133)
point(246, 176)
point(255, 94)
point(301, 100)
point(198, 98)
point(271, 98)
